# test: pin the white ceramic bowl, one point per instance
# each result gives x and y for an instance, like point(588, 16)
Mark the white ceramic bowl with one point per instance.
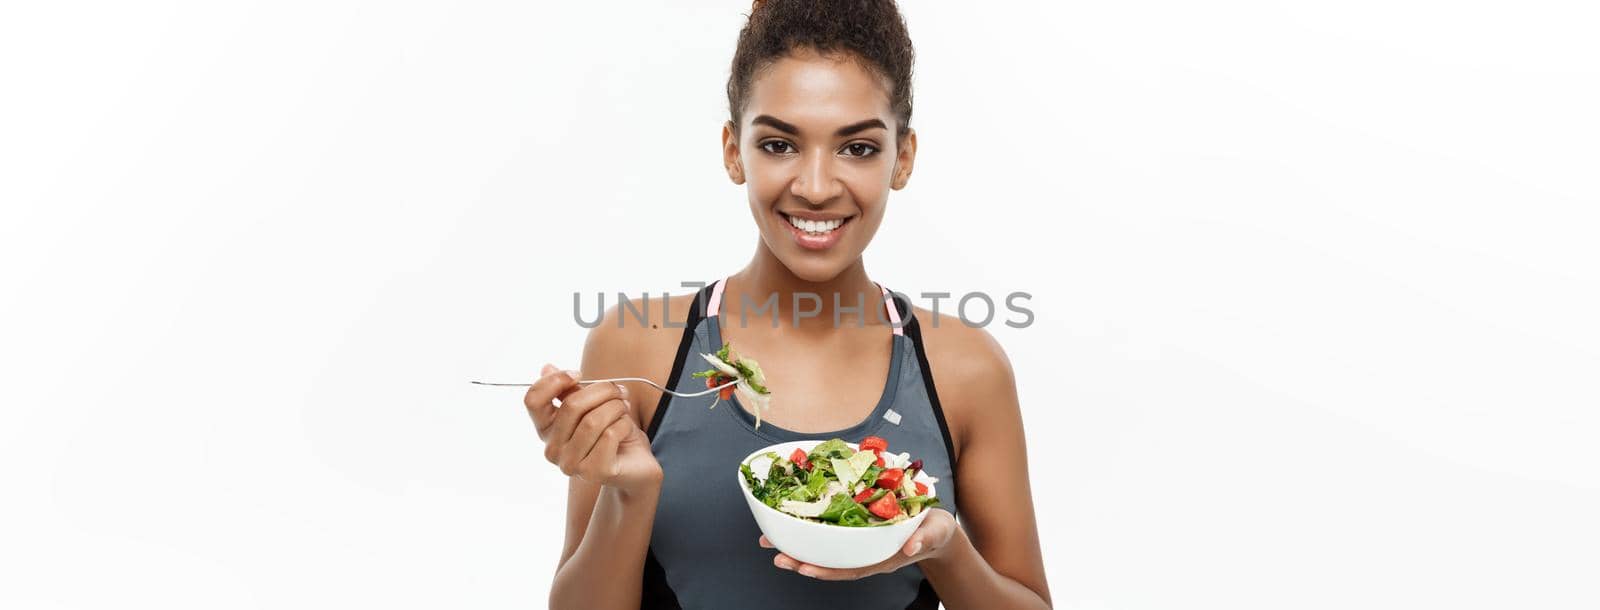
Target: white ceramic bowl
point(823, 544)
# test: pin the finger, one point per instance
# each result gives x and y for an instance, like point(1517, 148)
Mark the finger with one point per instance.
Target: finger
point(601, 463)
point(821, 573)
point(540, 399)
point(913, 544)
point(928, 535)
point(784, 561)
point(766, 544)
point(626, 400)
point(561, 397)
point(588, 431)
point(575, 406)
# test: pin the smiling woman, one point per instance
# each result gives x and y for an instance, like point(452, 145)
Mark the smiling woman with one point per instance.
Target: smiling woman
point(818, 189)
point(819, 133)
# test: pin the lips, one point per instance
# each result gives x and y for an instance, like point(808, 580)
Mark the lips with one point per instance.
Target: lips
point(817, 233)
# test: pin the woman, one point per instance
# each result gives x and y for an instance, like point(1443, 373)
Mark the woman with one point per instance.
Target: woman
point(820, 103)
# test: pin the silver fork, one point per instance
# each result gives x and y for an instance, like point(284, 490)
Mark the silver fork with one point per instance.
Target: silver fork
point(639, 379)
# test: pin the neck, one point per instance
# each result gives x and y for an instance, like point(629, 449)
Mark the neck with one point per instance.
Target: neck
point(765, 275)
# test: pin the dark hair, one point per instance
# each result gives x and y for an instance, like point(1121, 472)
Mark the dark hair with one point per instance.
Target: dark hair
point(870, 31)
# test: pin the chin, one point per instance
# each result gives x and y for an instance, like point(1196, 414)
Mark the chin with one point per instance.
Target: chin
point(811, 269)
point(817, 273)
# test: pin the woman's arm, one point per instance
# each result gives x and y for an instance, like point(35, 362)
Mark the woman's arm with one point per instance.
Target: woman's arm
point(993, 560)
point(608, 534)
point(613, 489)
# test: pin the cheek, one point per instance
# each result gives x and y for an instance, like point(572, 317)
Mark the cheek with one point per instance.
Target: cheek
point(765, 181)
point(868, 185)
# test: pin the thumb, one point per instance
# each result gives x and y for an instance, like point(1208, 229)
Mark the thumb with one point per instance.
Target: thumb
point(931, 529)
point(914, 544)
point(548, 369)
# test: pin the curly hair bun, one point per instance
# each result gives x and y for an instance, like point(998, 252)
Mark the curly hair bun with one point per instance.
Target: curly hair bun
point(871, 30)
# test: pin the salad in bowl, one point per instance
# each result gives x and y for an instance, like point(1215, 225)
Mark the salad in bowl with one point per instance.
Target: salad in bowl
point(836, 504)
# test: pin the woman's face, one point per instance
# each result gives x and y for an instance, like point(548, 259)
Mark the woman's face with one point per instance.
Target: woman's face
point(817, 149)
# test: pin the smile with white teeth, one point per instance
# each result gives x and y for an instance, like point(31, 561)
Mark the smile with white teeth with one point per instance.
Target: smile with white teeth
point(815, 227)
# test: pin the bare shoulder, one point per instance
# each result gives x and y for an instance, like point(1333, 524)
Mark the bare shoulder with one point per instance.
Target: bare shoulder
point(637, 339)
point(971, 373)
point(640, 323)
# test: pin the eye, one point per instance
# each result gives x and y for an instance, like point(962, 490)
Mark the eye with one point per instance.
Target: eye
point(860, 149)
point(777, 147)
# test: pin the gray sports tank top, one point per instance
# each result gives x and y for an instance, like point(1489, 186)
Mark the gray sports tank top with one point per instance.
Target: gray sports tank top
point(703, 551)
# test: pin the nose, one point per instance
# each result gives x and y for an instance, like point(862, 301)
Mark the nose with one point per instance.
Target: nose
point(816, 183)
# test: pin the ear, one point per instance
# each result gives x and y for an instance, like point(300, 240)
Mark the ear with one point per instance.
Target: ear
point(905, 158)
point(730, 153)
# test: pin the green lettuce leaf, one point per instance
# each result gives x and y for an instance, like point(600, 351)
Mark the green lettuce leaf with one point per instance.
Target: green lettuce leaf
point(816, 483)
point(870, 477)
point(855, 516)
point(850, 470)
point(836, 508)
point(916, 504)
point(831, 448)
point(750, 371)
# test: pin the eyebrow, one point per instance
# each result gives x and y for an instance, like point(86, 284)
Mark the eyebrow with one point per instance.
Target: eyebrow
point(782, 126)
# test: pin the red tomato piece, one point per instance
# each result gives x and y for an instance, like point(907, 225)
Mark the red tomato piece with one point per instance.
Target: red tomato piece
point(866, 494)
point(800, 459)
point(922, 490)
point(885, 508)
point(874, 444)
point(890, 479)
point(726, 393)
point(880, 461)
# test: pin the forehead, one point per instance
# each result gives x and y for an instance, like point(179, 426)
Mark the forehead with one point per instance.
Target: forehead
point(807, 88)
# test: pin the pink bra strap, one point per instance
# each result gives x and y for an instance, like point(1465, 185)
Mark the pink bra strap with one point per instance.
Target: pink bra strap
point(894, 312)
point(716, 299)
point(715, 305)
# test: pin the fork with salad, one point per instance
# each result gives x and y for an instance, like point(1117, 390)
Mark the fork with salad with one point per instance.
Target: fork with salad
point(749, 383)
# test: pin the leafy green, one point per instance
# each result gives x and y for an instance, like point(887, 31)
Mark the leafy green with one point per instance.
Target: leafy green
point(851, 469)
point(870, 477)
point(815, 484)
point(855, 516)
point(751, 373)
point(781, 481)
point(845, 511)
point(837, 508)
point(750, 480)
point(916, 504)
point(831, 448)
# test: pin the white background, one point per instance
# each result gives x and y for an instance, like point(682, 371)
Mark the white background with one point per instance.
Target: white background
point(1315, 286)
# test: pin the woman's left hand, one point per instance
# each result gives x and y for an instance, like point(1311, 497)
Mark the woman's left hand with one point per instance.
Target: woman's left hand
point(927, 542)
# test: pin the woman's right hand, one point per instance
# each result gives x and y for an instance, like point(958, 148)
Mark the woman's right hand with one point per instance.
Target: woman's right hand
point(592, 434)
